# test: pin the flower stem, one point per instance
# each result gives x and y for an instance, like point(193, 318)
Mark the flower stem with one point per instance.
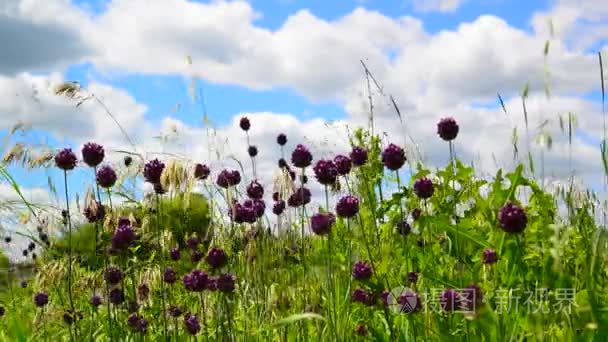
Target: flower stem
point(69, 221)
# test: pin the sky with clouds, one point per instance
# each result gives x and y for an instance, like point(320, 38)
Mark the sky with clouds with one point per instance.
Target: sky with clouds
point(293, 66)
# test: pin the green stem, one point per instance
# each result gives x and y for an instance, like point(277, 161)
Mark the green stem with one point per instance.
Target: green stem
point(69, 221)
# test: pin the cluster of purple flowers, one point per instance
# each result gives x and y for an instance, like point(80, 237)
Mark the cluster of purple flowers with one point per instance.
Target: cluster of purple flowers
point(228, 178)
point(124, 236)
point(201, 171)
point(362, 270)
point(321, 223)
point(300, 197)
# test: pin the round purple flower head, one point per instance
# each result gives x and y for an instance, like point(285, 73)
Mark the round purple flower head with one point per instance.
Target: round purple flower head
point(423, 188)
point(281, 139)
point(216, 258)
point(153, 170)
point(142, 325)
point(124, 236)
point(175, 311)
point(41, 299)
point(192, 324)
point(362, 270)
point(252, 151)
point(362, 296)
point(196, 280)
point(325, 172)
point(321, 223)
point(193, 242)
point(245, 124)
point(361, 330)
point(244, 212)
point(347, 206)
point(196, 256)
point(113, 275)
point(226, 283)
point(393, 157)
point(95, 301)
point(450, 300)
point(278, 207)
point(132, 320)
point(255, 190)
point(283, 164)
point(106, 177)
point(412, 277)
point(228, 178)
point(258, 207)
point(471, 298)
point(300, 197)
point(404, 228)
point(92, 154)
point(343, 164)
point(358, 156)
point(175, 254)
point(117, 296)
point(447, 128)
point(201, 171)
point(169, 276)
point(66, 159)
point(410, 302)
point(301, 156)
point(512, 218)
point(490, 256)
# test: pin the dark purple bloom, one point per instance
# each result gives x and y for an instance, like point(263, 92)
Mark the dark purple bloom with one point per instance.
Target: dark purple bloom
point(362, 270)
point(301, 156)
point(142, 325)
point(361, 330)
point(358, 155)
point(393, 157)
point(362, 296)
point(169, 276)
point(92, 154)
point(490, 256)
point(175, 311)
point(153, 170)
point(404, 228)
point(343, 164)
point(95, 212)
point(124, 236)
point(412, 277)
point(133, 320)
point(226, 283)
point(95, 301)
point(281, 139)
point(128, 160)
point(347, 206)
point(471, 298)
point(325, 172)
point(117, 296)
point(244, 212)
point(201, 171)
point(259, 206)
point(384, 296)
point(212, 284)
point(450, 300)
point(512, 218)
point(113, 275)
point(216, 258)
point(193, 242)
point(255, 190)
point(300, 197)
point(66, 159)
point(106, 177)
point(196, 256)
point(416, 213)
point(423, 188)
point(228, 178)
point(245, 124)
point(321, 223)
point(41, 299)
point(283, 164)
point(447, 128)
point(410, 302)
point(252, 150)
point(278, 207)
point(192, 324)
point(196, 280)
point(175, 254)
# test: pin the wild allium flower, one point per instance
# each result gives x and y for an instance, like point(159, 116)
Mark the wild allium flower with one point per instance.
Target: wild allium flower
point(490, 256)
point(252, 151)
point(321, 223)
point(193, 242)
point(142, 325)
point(228, 178)
point(512, 218)
point(124, 236)
point(283, 164)
point(409, 301)
point(92, 154)
point(471, 298)
point(201, 171)
point(404, 228)
point(66, 159)
point(423, 188)
point(384, 296)
point(212, 284)
point(278, 207)
point(244, 213)
point(362, 270)
point(106, 177)
point(393, 157)
point(95, 301)
point(362, 296)
point(169, 276)
point(255, 190)
point(128, 160)
point(281, 139)
point(117, 296)
point(226, 283)
point(325, 172)
point(41, 299)
point(113, 275)
point(216, 258)
point(343, 164)
point(447, 128)
point(192, 324)
point(412, 277)
point(358, 156)
point(361, 330)
point(259, 206)
point(347, 206)
point(245, 124)
point(175, 254)
point(301, 156)
point(300, 197)
point(95, 212)
point(450, 300)
point(196, 256)
point(175, 311)
point(416, 213)
point(153, 170)
point(133, 320)
point(196, 280)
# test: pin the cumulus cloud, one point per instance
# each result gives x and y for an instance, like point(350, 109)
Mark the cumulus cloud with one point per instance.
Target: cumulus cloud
point(437, 5)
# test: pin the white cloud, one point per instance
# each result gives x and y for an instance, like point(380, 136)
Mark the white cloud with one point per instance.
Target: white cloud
point(437, 5)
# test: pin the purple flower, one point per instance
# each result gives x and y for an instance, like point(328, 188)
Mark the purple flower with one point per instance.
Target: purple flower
point(41, 299)
point(410, 302)
point(212, 284)
point(153, 170)
point(362, 270)
point(196, 256)
point(142, 325)
point(321, 223)
point(393, 157)
point(299, 198)
point(226, 283)
point(471, 298)
point(343, 164)
point(450, 300)
point(358, 155)
point(113, 275)
point(416, 213)
point(132, 320)
point(196, 280)
point(447, 128)
point(244, 212)
point(66, 159)
point(347, 206)
point(128, 160)
point(175, 311)
point(95, 301)
point(490, 256)
point(325, 172)
point(95, 212)
point(283, 164)
point(252, 151)
point(117, 296)
point(175, 254)
point(362, 296)
point(412, 277)
point(423, 188)
point(124, 236)
point(192, 324)
point(512, 218)
point(281, 139)
point(255, 190)
point(361, 330)
point(92, 154)
point(201, 171)
point(193, 242)
point(216, 258)
point(228, 178)
point(384, 295)
point(169, 276)
point(403, 228)
point(106, 177)
point(278, 207)
point(245, 124)
point(301, 156)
